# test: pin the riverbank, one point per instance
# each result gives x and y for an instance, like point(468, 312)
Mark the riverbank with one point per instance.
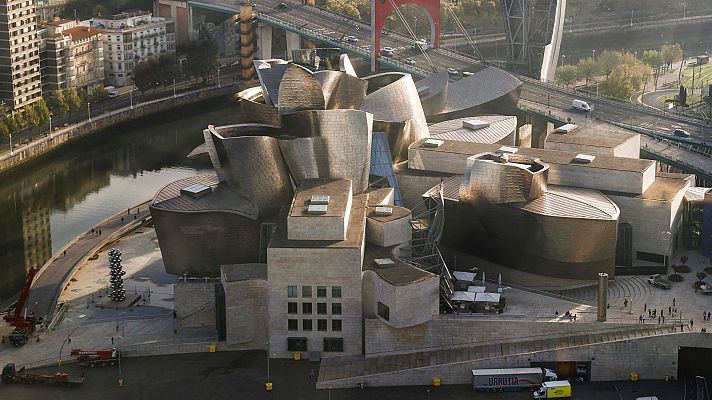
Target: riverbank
point(60, 137)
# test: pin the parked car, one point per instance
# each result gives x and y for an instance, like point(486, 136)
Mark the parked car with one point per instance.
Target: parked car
point(467, 73)
point(452, 72)
point(282, 5)
point(681, 133)
point(659, 281)
point(410, 61)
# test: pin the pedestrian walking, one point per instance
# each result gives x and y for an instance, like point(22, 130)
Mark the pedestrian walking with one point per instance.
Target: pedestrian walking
point(692, 323)
point(669, 310)
point(112, 340)
point(640, 319)
point(311, 374)
point(625, 303)
point(645, 307)
point(128, 211)
point(122, 220)
point(658, 320)
point(673, 301)
point(650, 313)
point(663, 318)
point(64, 253)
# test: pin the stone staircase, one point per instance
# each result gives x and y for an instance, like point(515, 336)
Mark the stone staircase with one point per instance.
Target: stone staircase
point(631, 287)
point(335, 372)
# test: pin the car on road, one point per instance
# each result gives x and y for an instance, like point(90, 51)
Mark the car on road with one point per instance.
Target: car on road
point(410, 61)
point(388, 51)
point(659, 281)
point(467, 73)
point(282, 5)
point(681, 133)
point(452, 72)
point(351, 39)
point(580, 105)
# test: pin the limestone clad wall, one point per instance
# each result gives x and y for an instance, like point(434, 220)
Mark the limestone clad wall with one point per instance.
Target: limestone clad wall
point(194, 303)
point(409, 304)
point(246, 312)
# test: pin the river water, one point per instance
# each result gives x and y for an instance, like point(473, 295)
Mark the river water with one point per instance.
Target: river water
point(50, 201)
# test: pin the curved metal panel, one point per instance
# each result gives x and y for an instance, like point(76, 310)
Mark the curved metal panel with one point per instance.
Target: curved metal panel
point(254, 167)
point(433, 92)
point(299, 90)
point(503, 179)
point(395, 99)
point(329, 144)
point(270, 75)
point(341, 90)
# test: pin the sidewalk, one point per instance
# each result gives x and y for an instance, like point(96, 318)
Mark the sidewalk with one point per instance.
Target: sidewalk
point(50, 281)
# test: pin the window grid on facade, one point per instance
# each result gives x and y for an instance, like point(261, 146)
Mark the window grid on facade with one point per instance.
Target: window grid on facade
point(291, 291)
point(306, 308)
point(292, 324)
point(321, 291)
point(336, 292)
point(306, 291)
point(306, 324)
point(336, 308)
point(383, 311)
point(321, 308)
point(333, 345)
point(321, 325)
point(291, 308)
point(336, 325)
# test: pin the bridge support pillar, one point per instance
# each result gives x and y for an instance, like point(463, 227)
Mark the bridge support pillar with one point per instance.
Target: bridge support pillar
point(294, 42)
point(264, 42)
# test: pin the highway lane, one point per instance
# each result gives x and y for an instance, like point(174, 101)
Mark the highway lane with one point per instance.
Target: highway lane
point(615, 111)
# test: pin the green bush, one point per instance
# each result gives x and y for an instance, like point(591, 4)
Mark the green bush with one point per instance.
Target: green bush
point(675, 278)
point(681, 268)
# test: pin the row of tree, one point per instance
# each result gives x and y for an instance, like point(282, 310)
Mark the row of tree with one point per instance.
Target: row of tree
point(29, 116)
point(201, 61)
point(622, 73)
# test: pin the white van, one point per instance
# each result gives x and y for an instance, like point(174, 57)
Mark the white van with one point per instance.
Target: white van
point(580, 105)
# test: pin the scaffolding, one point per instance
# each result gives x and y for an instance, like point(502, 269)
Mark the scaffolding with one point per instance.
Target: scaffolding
point(529, 26)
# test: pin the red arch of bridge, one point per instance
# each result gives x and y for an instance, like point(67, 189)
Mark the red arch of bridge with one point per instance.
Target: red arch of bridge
point(381, 9)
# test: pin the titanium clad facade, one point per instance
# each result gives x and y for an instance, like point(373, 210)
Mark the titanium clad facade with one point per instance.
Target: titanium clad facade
point(197, 235)
point(299, 90)
point(341, 91)
point(253, 166)
point(392, 97)
point(503, 179)
point(329, 144)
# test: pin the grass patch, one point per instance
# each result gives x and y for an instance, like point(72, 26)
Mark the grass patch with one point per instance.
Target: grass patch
point(675, 278)
point(708, 270)
point(681, 268)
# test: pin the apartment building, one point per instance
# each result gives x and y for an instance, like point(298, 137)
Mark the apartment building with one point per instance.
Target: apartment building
point(129, 38)
point(72, 56)
point(20, 82)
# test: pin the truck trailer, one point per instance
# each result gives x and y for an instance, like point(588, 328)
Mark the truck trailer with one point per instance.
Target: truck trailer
point(12, 375)
point(553, 390)
point(510, 379)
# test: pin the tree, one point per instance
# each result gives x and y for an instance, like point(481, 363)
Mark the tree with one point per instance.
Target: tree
point(147, 74)
point(567, 74)
point(31, 117)
point(701, 276)
point(168, 69)
point(73, 100)
point(20, 119)
point(671, 53)
point(99, 93)
point(42, 111)
point(655, 60)
point(4, 130)
point(607, 62)
point(12, 126)
point(587, 69)
point(58, 103)
point(202, 59)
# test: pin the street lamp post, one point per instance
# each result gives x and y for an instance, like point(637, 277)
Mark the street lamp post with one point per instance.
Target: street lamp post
point(563, 58)
point(50, 126)
point(11, 144)
point(89, 111)
point(174, 85)
point(131, 97)
point(218, 77)
point(594, 54)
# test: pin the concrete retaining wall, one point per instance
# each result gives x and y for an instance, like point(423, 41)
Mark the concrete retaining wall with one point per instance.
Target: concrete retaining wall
point(650, 357)
point(64, 135)
point(195, 303)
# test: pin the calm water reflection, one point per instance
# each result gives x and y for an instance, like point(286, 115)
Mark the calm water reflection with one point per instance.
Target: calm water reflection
point(52, 200)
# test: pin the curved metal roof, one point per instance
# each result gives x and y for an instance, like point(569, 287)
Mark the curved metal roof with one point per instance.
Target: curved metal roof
point(570, 202)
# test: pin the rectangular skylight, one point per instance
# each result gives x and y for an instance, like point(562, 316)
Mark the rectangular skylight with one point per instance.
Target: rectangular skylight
point(196, 191)
point(475, 124)
point(317, 209)
point(433, 143)
point(567, 128)
point(508, 149)
point(319, 199)
point(584, 158)
point(384, 262)
point(384, 211)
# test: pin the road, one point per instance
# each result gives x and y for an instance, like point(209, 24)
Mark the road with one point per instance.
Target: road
point(611, 110)
point(241, 375)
